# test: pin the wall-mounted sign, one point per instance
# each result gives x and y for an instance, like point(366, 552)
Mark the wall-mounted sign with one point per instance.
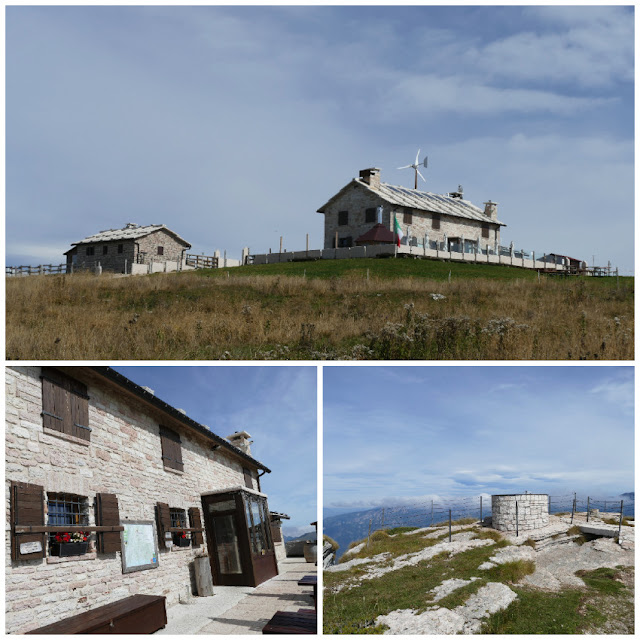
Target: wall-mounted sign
point(30, 547)
point(139, 546)
point(168, 535)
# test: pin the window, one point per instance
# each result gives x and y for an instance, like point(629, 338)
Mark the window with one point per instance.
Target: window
point(171, 449)
point(345, 242)
point(120, 248)
point(65, 404)
point(179, 521)
point(343, 218)
point(65, 509)
point(370, 215)
point(160, 251)
point(258, 524)
point(435, 221)
point(408, 216)
point(248, 478)
point(485, 230)
point(91, 251)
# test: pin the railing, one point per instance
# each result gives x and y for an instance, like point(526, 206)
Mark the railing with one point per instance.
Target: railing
point(202, 262)
point(42, 269)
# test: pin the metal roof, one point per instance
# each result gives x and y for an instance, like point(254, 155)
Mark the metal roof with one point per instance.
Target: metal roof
point(129, 232)
point(423, 200)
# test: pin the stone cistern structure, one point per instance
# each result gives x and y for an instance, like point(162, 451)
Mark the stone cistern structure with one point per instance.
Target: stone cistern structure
point(532, 511)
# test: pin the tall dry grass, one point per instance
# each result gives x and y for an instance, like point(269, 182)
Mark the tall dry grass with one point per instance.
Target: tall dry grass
point(188, 316)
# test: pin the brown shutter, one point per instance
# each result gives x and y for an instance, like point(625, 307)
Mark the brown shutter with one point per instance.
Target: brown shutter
point(65, 404)
point(27, 508)
point(171, 449)
point(107, 514)
point(276, 532)
point(248, 479)
point(164, 521)
point(435, 221)
point(195, 523)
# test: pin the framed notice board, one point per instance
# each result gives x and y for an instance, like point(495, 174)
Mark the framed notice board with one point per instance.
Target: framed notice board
point(139, 545)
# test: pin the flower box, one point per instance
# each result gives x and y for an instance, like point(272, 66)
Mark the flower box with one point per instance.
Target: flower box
point(184, 542)
point(63, 549)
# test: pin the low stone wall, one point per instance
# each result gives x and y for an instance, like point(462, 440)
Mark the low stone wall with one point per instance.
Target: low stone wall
point(533, 511)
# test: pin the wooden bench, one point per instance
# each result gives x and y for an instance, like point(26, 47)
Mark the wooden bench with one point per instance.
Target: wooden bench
point(310, 581)
point(292, 622)
point(135, 614)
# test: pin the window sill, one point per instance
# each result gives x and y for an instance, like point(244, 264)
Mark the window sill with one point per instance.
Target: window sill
point(177, 548)
point(176, 471)
point(66, 436)
point(91, 555)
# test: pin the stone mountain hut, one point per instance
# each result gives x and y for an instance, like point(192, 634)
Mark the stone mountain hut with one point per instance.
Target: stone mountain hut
point(424, 217)
point(112, 492)
point(118, 250)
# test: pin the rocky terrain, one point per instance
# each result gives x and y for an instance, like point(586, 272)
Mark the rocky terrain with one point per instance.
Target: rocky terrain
point(568, 577)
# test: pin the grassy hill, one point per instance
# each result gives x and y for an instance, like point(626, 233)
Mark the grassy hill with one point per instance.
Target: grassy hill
point(343, 309)
point(420, 583)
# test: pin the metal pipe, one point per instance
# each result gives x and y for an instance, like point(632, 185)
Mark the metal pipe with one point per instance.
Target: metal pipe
point(517, 532)
point(449, 525)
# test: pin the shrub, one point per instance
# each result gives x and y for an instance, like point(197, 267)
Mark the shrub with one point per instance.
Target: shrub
point(512, 571)
point(334, 545)
point(530, 543)
point(489, 534)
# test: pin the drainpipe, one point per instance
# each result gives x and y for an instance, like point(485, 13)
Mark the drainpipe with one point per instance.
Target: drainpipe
point(260, 476)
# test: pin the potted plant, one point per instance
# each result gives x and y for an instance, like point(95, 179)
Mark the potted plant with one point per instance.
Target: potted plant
point(69, 544)
point(182, 539)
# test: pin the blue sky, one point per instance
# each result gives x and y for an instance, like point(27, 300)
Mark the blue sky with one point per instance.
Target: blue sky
point(232, 125)
point(393, 435)
point(276, 405)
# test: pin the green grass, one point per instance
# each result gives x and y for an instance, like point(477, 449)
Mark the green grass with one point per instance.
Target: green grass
point(393, 268)
point(604, 580)
point(541, 613)
point(530, 543)
point(396, 530)
point(334, 545)
point(489, 534)
point(511, 572)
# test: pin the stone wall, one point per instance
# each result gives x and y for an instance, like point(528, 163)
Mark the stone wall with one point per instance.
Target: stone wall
point(533, 511)
point(124, 458)
point(356, 200)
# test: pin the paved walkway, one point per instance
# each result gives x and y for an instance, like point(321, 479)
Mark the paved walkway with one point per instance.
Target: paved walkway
point(243, 610)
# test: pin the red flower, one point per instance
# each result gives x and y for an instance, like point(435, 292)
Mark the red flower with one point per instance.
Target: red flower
point(184, 535)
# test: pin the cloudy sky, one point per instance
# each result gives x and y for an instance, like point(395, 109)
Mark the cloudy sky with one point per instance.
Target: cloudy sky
point(276, 405)
point(397, 434)
point(232, 125)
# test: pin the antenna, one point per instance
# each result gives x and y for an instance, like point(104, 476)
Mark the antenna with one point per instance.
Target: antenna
point(415, 166)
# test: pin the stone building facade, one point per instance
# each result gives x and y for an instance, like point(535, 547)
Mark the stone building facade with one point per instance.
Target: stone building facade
point(79, 438)
point(117, 249)
point(423, 216)
point(532, 511)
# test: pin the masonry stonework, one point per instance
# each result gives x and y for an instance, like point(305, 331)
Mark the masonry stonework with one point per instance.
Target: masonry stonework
point(533, 511)
point(124, 458)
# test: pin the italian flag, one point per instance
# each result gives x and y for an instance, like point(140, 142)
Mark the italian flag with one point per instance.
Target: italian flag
point(398, 230)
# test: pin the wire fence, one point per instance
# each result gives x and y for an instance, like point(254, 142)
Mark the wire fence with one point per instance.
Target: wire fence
point(449, 511)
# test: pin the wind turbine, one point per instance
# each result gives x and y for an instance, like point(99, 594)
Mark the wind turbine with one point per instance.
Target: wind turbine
point(415, 166)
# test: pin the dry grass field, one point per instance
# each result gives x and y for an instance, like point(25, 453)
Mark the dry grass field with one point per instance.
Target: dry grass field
point(404, 310)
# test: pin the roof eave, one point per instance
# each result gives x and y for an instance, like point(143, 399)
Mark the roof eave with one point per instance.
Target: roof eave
point(113, 376)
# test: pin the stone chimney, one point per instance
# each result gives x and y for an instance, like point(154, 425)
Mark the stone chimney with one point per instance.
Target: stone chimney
point(131, 225)
point(242, 440)
point(491, 210)
point(371, 177)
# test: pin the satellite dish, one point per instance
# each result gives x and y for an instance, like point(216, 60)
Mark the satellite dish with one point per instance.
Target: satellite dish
point(415, 166)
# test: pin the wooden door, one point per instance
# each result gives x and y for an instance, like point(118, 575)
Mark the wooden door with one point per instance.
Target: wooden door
point(263, 555)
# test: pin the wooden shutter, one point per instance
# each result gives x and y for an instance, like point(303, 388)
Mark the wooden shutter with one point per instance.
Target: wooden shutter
point(248, 480)
point(370, 215)
point(27, 508)
point(171, 449)
point(435, 221)
point(195, 523)
point(163, 516)
point(343, 217)
point(108, 514)
point(485, 230)
point(65, 404)
point(276, 532)
point(408, 215)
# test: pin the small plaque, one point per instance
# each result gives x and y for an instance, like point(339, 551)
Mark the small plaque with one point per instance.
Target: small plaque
point(30, 547)
point(168, 535)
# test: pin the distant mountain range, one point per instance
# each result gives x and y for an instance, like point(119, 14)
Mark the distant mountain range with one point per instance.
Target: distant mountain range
point(308, 535)
point(628, 496)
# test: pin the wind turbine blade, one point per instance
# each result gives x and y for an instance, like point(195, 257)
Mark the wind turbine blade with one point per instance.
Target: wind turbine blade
point(420, 175)
point(409, 166)
point(418, 156)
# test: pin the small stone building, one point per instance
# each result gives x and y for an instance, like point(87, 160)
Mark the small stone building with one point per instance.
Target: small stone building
point(118, 249)
point(442, 221)
point(523, 511)
point(92, 456)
